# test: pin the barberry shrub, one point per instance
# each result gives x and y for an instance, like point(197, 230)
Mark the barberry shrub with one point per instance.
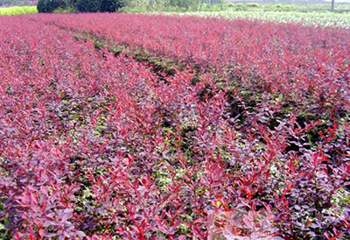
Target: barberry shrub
point(96, 146)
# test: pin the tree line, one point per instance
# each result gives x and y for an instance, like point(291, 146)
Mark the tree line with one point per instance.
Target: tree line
point(115, 5)
point(47, 6)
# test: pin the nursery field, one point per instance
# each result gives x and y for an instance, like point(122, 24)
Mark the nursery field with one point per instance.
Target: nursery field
point(132, 126)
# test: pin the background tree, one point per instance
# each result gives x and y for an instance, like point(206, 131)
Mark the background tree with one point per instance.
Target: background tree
point(111, 5)
point(48, 6)
point(73, 3)
point(186, 4)
point(88, 5)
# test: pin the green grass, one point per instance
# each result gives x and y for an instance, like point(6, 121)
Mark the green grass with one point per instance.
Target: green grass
point(18, 10)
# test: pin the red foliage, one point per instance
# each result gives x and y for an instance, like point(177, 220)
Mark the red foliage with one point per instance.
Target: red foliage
point(95, 146)
point(309, 66)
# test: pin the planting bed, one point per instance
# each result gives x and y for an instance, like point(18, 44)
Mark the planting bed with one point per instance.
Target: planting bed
point(121, 126)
